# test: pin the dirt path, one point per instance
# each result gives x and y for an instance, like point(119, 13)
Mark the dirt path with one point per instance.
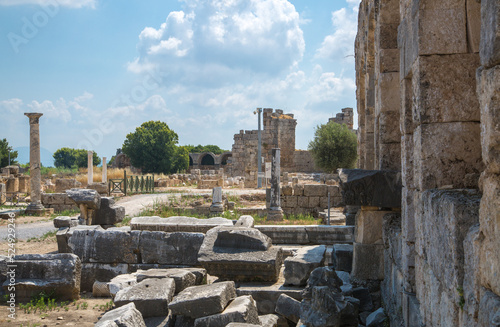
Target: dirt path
point(136, 203)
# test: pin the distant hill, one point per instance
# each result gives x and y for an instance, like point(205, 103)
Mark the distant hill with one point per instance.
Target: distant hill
point(24, 156)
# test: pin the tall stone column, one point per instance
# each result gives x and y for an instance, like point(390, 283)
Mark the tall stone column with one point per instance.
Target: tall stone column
point(275, 212)
point(35, 207)
point(104, 170)
point(90, 167)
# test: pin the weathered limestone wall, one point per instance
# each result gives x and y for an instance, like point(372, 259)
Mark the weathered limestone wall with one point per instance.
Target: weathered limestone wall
point(58, 201)
point(434, 67)
point(304, 162)
point(345, 117)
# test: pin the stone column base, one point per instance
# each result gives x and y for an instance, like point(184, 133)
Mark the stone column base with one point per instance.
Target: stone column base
point(275, 214)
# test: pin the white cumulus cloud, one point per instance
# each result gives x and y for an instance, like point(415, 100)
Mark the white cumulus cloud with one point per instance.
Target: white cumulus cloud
point(340, 44)
point(213, 42)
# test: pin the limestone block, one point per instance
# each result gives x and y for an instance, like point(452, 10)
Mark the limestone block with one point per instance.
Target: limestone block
point(315, 189)
point(121, 282)
point(178, 224)
point(204, 300)
point(240, 254)
point(387, 91)
point(487, 89)
point(324, 306)
point(371, 187)
point(490, 35)
point(313, 202)
point(124, 316)
point(109, 213)
point(448, 215)
point(298, 189)
point(289, 201)
point(390, 156)
point(446, 91)
point(12, 184)
point(101, 188)
point(304, 261)
point(334, 191)
point(151, 296)
point(387, 60)
point(59, 274)
point(269, 320)
point(442, 29)
point(242, 309)
point(286, 190)
point(368, 261)
point(285, 234)
point(342, 257)
point(369, 226)
point(245, 221)
point(182, 278)
point(447, 154)
point(90, 198)
point(489, 221)
point(302, 202)
point(121, 247)
point(24, 184)
point(177, 248)
point(64, 221)
point(288, 307)
point(323, 234)
point(364, 297)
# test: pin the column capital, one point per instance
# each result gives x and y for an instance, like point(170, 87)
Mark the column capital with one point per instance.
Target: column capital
point(33, 116)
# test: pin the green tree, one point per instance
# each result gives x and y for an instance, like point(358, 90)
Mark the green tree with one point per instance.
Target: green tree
point(152, 147)
point(4, 154)
point(73, 158)
point(334, 146)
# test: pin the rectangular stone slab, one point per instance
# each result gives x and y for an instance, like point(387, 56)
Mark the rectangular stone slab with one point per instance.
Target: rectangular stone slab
point(178, 224)
point(151, 296)
point(203, 300)
point(242, 309)
point(299, 267)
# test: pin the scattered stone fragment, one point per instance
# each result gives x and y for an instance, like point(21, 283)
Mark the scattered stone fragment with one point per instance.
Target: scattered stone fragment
point(288, 307)
point(242, 309)
point(299, 267)
point(269, 320)
point(349, 315)
point(181, 277)
point(342, 257)
point(151, 296)
point(125, 316)
point(245, 221)
point(376, 318)
point(121, 282)
point(100, 289)
point(204, 300)
point(64, 221)
point(89, 198)
point(109, 213)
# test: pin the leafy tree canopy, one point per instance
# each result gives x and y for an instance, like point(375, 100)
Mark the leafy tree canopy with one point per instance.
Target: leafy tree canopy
point(4, 154)
point(334, 146)
point(205, 148)
point(73, 158)
point(152, 147)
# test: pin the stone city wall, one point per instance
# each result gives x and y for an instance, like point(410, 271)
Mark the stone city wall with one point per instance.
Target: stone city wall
point(427, 76)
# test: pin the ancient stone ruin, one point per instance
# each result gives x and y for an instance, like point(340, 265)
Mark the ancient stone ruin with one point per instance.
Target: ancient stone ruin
point(427, 75)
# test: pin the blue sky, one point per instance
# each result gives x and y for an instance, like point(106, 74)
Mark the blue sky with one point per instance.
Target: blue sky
point(98, 69)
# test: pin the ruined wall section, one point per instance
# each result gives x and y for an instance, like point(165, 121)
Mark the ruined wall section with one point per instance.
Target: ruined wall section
point(345, 117)
point(441, 258)
point(278, 132)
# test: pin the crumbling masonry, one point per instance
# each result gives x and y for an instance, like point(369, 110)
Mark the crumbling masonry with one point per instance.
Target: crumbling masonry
point(428, 93)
